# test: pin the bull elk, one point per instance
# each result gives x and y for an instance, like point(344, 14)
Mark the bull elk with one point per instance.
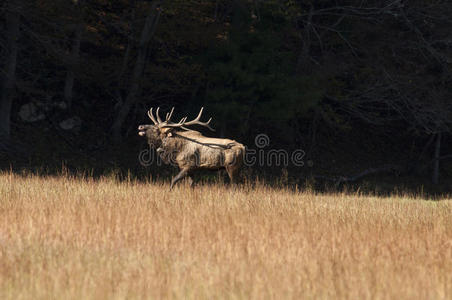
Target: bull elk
point(189, 149)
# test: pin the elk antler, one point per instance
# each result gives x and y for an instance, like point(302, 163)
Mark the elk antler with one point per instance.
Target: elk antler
point(168, 115)
point(151, 116)
point(158, 117)
point(183, 122)
point(159, 120)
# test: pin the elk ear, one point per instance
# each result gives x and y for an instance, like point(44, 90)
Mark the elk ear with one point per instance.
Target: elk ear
point(167, 132)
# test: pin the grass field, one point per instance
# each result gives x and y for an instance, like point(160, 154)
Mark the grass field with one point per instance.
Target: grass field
point(63, 238)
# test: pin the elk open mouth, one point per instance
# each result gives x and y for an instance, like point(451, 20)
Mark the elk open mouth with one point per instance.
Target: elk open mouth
point(142, 130)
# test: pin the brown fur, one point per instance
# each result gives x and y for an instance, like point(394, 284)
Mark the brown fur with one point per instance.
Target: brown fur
point(192, 151)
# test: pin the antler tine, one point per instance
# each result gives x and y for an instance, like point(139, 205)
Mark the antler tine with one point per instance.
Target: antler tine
point(151, 116)
point(206, 124)
point(157, 114)
point(169, 115)
point(199, 115)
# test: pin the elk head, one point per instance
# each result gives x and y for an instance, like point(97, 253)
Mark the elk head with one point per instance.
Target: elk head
point(162, 129)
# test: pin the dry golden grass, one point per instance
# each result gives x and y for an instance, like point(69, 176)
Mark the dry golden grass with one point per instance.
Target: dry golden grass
point(63, 238)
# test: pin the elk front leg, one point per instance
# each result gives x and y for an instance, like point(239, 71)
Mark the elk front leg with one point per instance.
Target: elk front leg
point(178, 177)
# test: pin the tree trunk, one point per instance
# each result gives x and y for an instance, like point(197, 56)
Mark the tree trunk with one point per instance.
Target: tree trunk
point(130, 39)
point(75, 52)
point(435, 174)
point(146, 35)
point(125, 60)
point(303, 64)
point(9, 76)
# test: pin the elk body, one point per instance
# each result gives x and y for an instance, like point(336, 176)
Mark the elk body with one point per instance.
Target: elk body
point(189, 149)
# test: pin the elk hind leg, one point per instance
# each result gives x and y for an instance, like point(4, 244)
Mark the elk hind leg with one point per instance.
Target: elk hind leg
point(181, 175)
point(232, 173)
point(191, 181)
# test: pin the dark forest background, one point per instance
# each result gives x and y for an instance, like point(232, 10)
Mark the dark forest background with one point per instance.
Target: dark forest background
point(363, 87)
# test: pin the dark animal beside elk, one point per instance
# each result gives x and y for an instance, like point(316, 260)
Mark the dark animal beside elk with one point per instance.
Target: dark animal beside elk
point(189, 149)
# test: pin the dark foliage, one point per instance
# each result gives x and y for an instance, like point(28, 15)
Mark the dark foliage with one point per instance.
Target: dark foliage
point(356, 84)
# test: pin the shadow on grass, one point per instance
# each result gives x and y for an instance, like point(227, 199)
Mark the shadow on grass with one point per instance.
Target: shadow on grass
point(129, 169)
